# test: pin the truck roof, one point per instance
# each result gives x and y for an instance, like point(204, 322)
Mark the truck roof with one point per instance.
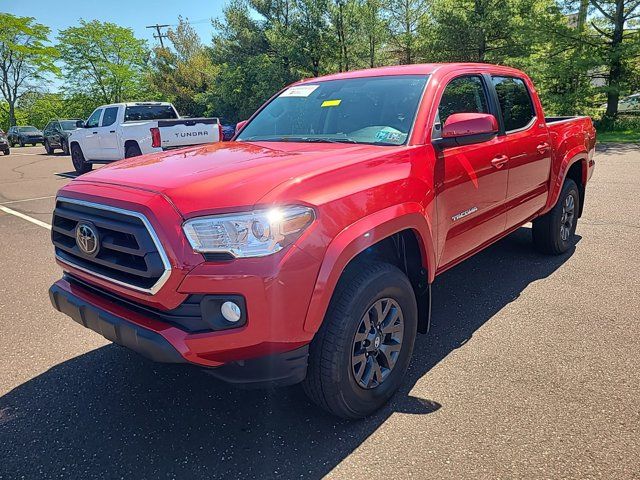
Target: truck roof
point(132, 104)
point(415, 69)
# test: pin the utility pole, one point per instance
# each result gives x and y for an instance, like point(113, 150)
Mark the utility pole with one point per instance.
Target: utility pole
point(159, 36)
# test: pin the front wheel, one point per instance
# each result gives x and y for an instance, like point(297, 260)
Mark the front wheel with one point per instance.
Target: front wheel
point(7, 151)
point(77, 158)
point(65, 148)
point(553, 232)
point(358, 358)
point(48, 148)
point(21, 143)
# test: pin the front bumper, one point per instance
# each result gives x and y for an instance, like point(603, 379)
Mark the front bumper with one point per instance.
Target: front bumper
point(151, 339)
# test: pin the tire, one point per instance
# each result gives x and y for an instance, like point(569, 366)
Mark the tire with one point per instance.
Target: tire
point(21, 143)
point(553, 232)
point(33, 144)
point(132, 150)
point(65, 147)
point(7, 151)
point(48, 148)
point(77, 158)
point(334, 381)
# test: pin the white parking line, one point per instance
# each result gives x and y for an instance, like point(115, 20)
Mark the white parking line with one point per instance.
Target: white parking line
point(27, 200)
point(25, 217)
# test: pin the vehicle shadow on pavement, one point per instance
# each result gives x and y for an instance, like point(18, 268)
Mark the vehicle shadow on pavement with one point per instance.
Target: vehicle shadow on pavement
point(109, 413)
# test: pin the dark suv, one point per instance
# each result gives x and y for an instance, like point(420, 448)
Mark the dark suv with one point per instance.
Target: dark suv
point(56, 135)
point(24, 135)
point(4, 143)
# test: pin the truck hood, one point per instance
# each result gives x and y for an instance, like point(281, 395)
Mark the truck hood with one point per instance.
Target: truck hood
point(228, 175)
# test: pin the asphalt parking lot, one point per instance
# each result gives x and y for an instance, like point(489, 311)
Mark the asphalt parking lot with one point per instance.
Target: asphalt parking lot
point(531, 369)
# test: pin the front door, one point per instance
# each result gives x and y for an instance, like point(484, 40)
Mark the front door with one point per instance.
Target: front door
point(471, 180)
point(91, 139)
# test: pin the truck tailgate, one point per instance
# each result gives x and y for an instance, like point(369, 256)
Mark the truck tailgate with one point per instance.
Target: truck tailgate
point(184, 132)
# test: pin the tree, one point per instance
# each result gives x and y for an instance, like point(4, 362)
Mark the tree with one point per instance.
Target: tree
point(25, 59)
point(405, 18)
point(620, 46)
point(375, 29)
point(184, 72)
point(104, 60)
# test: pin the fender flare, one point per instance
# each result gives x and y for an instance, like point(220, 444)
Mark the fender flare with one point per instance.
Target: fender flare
point(358, 237)
point(577, 154)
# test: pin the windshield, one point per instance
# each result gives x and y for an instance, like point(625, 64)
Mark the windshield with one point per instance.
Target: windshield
point(149, 112)
point(373, 110)
point(68, 124)
point(27, 129)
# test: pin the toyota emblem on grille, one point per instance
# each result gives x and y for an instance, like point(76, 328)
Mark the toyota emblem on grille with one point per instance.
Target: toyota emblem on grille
point(87, 238)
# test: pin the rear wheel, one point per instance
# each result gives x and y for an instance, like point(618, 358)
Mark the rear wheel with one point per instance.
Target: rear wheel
point(553, 232)
point(132, 150)
point(358, 358)
point(77, 158)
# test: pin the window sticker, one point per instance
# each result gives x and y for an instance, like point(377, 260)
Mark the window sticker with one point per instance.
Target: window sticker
point(299, 91)
point(331, 103)
point(391, 135)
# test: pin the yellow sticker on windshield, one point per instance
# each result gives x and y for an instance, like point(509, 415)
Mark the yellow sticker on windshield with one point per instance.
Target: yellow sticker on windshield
point(331, 103)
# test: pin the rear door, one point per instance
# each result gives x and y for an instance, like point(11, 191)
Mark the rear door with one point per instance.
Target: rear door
point(529, 148)
point(471, 180)
point(109, 145)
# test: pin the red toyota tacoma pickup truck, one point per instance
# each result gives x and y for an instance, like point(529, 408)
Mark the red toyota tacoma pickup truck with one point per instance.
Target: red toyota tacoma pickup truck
point(304, 249)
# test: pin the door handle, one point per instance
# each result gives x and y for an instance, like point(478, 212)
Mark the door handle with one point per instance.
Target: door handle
point(543, 147)
point(95, 133)
point(499, 161)
point(112, 131)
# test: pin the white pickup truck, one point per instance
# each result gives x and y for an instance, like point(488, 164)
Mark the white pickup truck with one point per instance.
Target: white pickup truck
point(123, 130)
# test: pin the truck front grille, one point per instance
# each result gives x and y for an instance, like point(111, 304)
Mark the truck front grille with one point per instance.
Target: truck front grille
point(127, 251)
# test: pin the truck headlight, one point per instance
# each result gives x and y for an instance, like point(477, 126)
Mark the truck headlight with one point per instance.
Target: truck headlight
point(248, 234)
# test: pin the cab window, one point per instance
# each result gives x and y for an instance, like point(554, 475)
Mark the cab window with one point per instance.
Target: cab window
point(515, 102)
point(464, 94)
point(93, 120)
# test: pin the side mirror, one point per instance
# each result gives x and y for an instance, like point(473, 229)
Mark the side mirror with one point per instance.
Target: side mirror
point(79, 124)
point(468, 128)
point(240, 125)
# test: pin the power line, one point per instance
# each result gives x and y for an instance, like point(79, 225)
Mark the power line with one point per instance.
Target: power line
point(159, 36)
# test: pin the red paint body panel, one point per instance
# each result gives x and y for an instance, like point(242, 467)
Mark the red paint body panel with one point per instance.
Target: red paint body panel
point(456, 200)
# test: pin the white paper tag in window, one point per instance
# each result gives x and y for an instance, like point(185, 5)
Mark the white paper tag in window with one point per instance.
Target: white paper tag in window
point(299, 91)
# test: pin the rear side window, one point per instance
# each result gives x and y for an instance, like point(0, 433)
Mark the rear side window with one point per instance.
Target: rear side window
point(109, 117)
point(515, 102)
point(463, 95)
point(149, 112)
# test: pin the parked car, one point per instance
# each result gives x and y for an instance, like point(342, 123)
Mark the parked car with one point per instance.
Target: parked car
point(304, 249)
point(125, 130)
point(23, 135)
point(56, 134)
point(630, 104)
point(4, 143)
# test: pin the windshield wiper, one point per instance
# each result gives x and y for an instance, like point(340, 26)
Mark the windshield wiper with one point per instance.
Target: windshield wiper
point(300, 139)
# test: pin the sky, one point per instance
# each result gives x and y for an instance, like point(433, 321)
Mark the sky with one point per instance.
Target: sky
point(136, 14)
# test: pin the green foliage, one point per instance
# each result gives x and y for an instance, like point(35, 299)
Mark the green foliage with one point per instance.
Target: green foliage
point(104, 61)
point(184, 72)
point(579, 53)
point(25, 59)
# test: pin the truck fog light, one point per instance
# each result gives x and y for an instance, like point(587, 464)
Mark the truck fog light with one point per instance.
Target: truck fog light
point(231, 311)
